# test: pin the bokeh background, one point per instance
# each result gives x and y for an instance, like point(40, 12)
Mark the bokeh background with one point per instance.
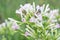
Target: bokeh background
point(8, 7)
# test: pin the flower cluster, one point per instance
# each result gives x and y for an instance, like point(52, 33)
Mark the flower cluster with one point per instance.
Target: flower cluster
point(43, 18)
point(37, 22)
point(38, 14)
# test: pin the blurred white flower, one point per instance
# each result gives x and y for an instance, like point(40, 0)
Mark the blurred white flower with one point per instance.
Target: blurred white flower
point(15, 26)
point(57, 25)
point(28, 7)
point(2, 25)
point(53, 13)
point(27, 34)
point(33, 19)
point(37, 7)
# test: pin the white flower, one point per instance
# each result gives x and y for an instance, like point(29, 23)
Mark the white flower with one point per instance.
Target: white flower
point(3, 24)
point(57, 25)
point(0, 26)
point(53, 13)
point(28, 7)
point(19, 12)
point(14, 24)
point(37, 7)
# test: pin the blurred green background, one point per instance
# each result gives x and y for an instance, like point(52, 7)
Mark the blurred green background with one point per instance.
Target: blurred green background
point(8, 7)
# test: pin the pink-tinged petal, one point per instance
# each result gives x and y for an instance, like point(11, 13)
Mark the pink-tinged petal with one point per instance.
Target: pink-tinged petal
point(57, 26)
point(28, 7)
point(23, 20)
point(26, 34)
point(15, 26)
point(54, 13)
point(40, 17)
